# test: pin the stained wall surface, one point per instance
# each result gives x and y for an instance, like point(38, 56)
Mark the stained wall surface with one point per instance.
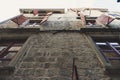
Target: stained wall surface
point(50, 57)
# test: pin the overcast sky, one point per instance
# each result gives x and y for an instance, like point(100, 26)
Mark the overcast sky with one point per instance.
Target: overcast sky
point(10, 8)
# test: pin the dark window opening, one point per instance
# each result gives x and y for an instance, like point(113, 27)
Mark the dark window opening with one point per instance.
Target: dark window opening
point(90, 22)
point(26, 12)
point(34, 21)
point(42, 14)
point(31, 12)
point(109, 48)
point(78, 17)
point(56, 12)
point(87, 20)
point(9, 49)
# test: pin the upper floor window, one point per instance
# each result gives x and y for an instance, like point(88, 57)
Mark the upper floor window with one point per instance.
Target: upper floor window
point(109, 48)
point(9, 49)
point(108, 51)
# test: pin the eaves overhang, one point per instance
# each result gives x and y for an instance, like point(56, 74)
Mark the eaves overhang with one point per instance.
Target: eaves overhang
point(85, 30)
point(32, 30)
point(37, 30)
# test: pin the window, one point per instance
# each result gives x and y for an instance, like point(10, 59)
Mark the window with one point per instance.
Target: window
point(86, 20)
point(90, 21)
point(9, 49)
point(41, 11)
point(37, 21)
point(26, 12)
point(33, 22)
point(31, 12)
point(56, 12)
point(109, 48)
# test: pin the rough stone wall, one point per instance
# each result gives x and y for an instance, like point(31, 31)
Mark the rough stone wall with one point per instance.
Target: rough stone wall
point(61, 25)
point(66, 21)
point(50, 57)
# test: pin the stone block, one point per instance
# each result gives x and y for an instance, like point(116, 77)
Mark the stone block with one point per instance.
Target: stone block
point(60, 78)
point(65, 72)
point(55, 54)
point(44, 78)
point(41, 59)
point(29, 59)
point(27, 65)
point(19, 72)
point(40, 72)
point(51, 65)
point(39, 65)
point(53, 72)
point(29, 72)
point(51, 59)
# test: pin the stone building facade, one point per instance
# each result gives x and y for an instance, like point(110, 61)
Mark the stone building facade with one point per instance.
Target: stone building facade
point(52, 44)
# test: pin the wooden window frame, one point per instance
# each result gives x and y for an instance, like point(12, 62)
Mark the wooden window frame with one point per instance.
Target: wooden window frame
point(6, 50)
point(14, 62)
point(110, 68)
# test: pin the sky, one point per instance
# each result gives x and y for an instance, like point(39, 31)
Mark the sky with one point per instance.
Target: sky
point(10, 8)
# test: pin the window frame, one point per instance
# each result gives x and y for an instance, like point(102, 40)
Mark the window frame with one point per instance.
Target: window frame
point(112, 49)
point(14, 63)
point(7, 50)
point(109, 68)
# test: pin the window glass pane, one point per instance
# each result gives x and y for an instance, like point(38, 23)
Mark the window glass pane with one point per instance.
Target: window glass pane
point(114, 43)
point(109, 48)
point(100, 43)
point(15, 48)
point(2, 47)
point(10, 55)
